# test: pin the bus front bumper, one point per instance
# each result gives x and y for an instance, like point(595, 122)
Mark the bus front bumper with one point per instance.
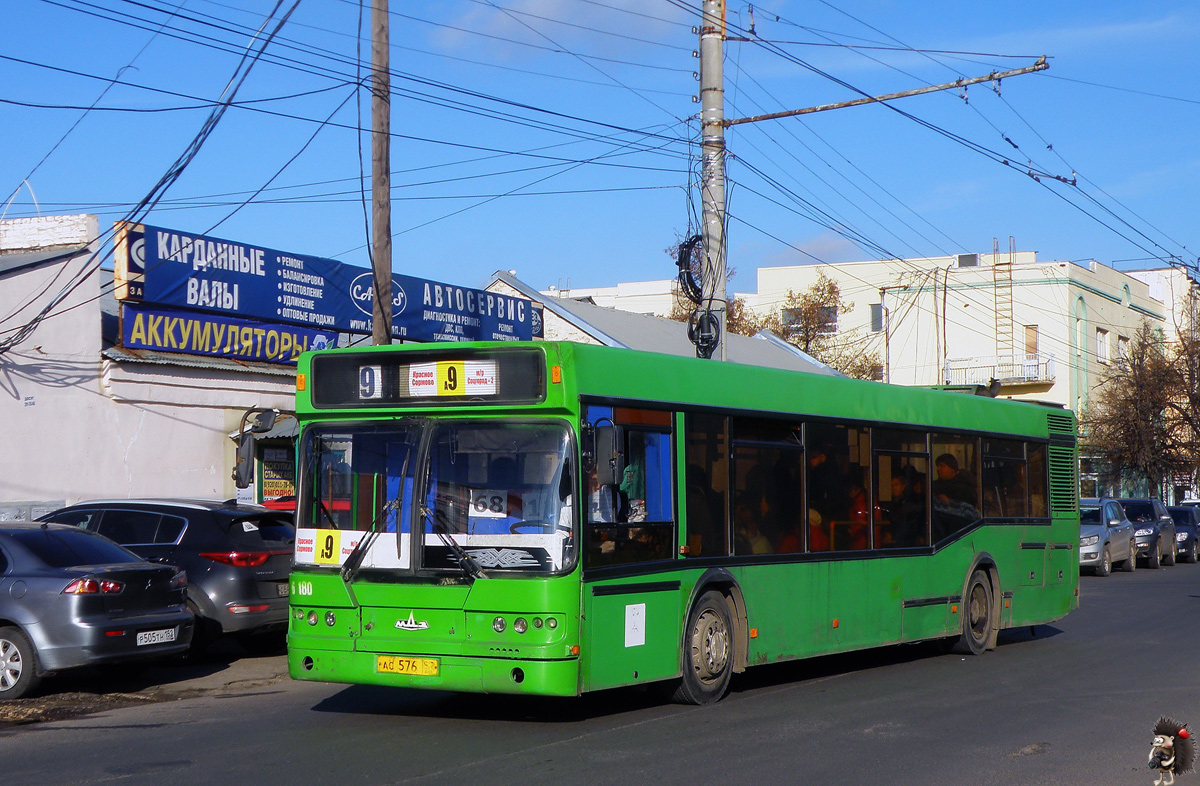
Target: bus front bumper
point(454, 673)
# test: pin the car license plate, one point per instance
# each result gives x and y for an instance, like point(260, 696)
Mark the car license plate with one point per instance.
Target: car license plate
point(281, 589)
point(395, 664)
point(155, 637)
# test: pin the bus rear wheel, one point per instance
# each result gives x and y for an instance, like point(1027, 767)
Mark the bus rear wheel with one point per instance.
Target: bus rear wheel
point(708, 651)
point(977, 622)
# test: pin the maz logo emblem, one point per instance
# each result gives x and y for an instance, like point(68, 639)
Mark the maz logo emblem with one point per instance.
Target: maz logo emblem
point(411, 623)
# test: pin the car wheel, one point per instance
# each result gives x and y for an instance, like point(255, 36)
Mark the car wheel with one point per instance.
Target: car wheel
point(205, 632)
point(1153, 558)
point(1130, 565)
point(18, 665)
point(1105, 566)
point(1190, 555)
point(1168, 559)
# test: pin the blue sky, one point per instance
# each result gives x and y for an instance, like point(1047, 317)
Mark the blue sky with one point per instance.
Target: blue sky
point(556, 137)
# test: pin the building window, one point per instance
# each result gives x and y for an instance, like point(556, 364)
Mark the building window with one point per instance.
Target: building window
point(826, 317)
point(1102, 345)
point(1031, 339)
point(1122, 350)
point(876, 317)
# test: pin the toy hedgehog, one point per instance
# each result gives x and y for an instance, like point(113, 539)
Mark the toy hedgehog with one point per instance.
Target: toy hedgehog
point(1172, 752)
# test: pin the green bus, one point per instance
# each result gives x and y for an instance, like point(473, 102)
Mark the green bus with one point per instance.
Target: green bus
point(553, 518)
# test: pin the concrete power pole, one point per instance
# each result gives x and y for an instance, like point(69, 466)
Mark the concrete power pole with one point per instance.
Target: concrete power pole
point(381, 179)
point(712, 153)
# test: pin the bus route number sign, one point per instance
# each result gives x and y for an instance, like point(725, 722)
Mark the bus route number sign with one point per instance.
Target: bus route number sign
point(370, 382)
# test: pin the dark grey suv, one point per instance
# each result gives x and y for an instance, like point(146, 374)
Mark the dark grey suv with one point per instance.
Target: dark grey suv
point(237, 558)
point(1154, 530)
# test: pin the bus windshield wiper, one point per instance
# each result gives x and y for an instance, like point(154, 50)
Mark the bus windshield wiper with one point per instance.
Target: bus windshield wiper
point(359, 552)
point(466, 563)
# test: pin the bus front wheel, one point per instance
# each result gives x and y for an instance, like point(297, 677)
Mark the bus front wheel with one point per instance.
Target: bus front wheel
point(977, 617)
point(708, 651)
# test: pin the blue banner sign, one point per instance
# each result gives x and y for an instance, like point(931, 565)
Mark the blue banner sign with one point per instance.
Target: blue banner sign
point(196, 333)
point(194, 272)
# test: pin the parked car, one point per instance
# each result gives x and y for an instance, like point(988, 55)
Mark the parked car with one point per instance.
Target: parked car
point(1154, 530)
point(1105, 536)
point(71, 598)
point(1187, 530)
point(237, 558)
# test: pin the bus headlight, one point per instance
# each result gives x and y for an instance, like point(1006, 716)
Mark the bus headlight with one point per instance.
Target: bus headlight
point(498, 624)
point(520, 625)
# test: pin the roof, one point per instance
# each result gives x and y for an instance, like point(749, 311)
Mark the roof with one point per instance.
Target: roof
point(125, 355)
point(19, 260)
point(615, 328)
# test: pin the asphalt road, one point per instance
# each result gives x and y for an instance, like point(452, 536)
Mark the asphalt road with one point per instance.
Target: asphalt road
point(1070, 703)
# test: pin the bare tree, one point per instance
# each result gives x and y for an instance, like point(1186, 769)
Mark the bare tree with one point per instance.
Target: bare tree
point(1127, 423)
point(807, 320)
point(1183, 410)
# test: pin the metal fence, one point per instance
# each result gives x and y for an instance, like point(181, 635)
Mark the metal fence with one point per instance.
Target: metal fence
point(1021, 367)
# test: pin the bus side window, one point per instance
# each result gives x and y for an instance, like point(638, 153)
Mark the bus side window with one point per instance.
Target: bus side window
point(1005, 479)
point(838, 487)
point(1038, 479)
point(632, 519)
point(707, 478)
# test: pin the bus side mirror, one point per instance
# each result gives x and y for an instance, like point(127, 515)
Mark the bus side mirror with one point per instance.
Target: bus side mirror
point(243, 466)
point(263, 420)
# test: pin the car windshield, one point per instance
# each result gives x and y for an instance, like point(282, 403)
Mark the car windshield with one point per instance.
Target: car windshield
point(64, 548)
point(1089, 515)
point(501, 492)
point(1181, 515)
point(1139, 511)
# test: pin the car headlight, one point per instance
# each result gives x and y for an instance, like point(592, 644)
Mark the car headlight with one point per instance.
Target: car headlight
point(1144, 532)
point(1090, 540)
point(1180, 536)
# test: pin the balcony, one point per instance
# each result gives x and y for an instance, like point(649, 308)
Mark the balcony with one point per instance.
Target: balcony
point(1020, 369)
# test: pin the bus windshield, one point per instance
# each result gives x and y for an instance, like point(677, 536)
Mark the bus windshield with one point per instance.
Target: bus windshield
point(502, 492)
point(498, 493)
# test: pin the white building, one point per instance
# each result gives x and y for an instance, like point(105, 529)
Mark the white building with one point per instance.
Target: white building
point(83, 418)
point(1043, 330)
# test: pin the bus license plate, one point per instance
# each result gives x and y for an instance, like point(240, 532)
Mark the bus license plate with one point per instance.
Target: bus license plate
point(395, 664)
point(155, 637)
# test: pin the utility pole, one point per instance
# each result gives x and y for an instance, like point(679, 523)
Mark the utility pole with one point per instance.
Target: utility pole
point(712, 153)
point(381, 179)
point(712, 149)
